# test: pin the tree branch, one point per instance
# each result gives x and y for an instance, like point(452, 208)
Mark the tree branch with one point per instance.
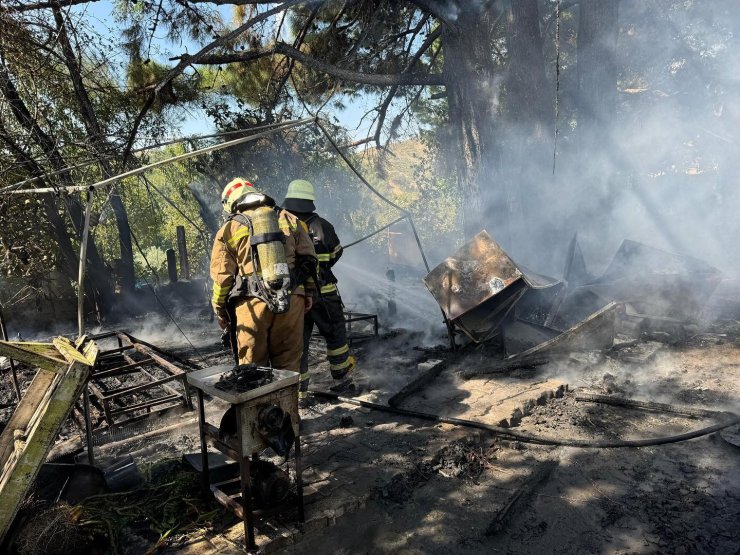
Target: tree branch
point(377, 79)
point(300, 37)
point(428, 41)
point(43, 5)
point(188, 60)
point(444, 10)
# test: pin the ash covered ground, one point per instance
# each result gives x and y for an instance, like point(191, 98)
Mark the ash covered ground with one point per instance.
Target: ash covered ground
point(385, 483)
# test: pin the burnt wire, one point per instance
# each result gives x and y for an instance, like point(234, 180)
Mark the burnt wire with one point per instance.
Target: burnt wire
point(557, 83)
point(360, 240)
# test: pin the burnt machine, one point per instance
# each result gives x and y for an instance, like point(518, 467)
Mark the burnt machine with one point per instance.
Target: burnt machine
point(263, 414)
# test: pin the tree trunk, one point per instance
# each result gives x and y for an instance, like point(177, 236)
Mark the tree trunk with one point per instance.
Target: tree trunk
point(597, 72)
point(472, 103)
point(526, 84)
point(99, 144)
point(527, 144)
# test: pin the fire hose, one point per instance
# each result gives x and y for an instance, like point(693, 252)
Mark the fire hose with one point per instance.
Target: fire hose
point(524, 437)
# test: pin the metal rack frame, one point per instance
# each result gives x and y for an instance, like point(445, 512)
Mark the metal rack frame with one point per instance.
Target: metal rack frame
point(119, 362)
point(350, 317)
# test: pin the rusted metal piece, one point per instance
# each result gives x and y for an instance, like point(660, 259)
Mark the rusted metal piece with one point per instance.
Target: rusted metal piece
point(479, 285)
point(479, 270)
point(169, 366)
point(29, 435)
point(116, 404)
point(130, 368)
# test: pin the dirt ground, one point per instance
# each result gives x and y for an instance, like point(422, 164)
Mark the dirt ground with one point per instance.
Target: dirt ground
point(395, 484)
point(513, 497)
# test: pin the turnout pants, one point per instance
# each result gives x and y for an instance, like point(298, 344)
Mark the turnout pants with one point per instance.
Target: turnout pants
point(328, 316)
point(269, 339)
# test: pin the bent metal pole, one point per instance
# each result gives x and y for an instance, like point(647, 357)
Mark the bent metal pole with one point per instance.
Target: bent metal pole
point(184, 139)
point(142, 169)
point(81, 272)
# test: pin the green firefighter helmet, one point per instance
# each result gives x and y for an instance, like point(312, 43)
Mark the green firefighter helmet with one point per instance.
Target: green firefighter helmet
point(300, 196)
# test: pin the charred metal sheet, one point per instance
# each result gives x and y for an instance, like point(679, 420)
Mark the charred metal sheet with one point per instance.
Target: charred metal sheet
point(576, 305)
point(594, 333)
point(537, 305)
point(484, 321)
point(521, 335)
point(575, 272)
point(574, 275)
point(479, 285)
point(657, 283)
point(479, 270)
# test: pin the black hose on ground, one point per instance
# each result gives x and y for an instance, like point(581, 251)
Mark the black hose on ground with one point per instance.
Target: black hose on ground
point(524, 437)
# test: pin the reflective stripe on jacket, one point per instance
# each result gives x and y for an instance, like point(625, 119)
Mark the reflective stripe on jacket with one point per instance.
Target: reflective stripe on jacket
point(328, 248)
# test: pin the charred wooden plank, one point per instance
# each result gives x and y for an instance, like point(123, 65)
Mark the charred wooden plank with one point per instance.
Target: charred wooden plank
point(30, 444)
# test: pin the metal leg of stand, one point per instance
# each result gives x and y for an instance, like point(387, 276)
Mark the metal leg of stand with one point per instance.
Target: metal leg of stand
point(205, 474)
point(246, 485)
point(299, 479)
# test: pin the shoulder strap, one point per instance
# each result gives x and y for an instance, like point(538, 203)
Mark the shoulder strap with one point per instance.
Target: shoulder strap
point(241, 219)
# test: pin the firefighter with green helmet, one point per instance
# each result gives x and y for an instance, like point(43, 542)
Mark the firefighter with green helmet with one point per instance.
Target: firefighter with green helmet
point(262, 263)
point(327, 312)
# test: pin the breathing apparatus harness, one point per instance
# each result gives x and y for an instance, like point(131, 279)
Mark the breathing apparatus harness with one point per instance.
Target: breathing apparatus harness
point(270, 279)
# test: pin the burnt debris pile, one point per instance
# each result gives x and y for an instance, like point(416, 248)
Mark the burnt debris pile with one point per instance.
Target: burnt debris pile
point(244, 377)
point(644, 292)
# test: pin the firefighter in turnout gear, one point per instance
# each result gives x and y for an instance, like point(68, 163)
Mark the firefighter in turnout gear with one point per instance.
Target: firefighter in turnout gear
point(261, 262)
point(327, 312)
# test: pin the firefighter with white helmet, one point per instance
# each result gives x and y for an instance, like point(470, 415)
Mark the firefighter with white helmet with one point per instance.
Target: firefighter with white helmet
point(327, 313)
point(261, 262)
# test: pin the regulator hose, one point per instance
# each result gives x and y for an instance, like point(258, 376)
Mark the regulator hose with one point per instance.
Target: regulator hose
point(524, 437)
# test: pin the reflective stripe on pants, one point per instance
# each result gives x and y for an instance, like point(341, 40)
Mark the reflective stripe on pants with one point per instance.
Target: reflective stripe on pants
point(328, 316)
point(265, 338)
